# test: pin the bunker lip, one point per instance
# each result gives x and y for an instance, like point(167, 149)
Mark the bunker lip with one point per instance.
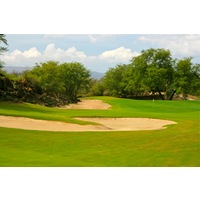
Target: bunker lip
point(104, 124)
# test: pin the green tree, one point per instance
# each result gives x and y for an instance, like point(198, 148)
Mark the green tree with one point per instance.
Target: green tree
point(96, 87)
point(75, 77)
point(154, 70)
point(195, 85)
point(132, 81)
point(3, 48)
point(47, 74)
point(187, 77)
point(113, 81)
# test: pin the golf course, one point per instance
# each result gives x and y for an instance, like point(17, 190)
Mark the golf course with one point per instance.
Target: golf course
point(173, 144)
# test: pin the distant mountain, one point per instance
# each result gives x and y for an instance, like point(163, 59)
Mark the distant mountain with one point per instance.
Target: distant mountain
point(97, 75)
point(10, 69)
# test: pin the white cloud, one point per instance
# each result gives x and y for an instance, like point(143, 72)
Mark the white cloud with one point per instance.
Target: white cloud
point(31, 53)
point(71, 54)
point(31, 56)
point(99, 62)
point(181, 45)
point(18, 57)
point(92, 39)
point(120, 54)
point(51, 52)
point(143, 39)
point(74, 54)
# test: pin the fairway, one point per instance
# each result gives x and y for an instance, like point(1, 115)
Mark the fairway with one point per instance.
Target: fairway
point(176, 145)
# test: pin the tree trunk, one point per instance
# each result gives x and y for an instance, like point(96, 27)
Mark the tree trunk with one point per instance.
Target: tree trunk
point(172, 95)
point(161, 96)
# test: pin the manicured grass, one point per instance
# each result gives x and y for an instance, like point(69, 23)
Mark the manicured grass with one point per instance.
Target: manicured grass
point(178, 145)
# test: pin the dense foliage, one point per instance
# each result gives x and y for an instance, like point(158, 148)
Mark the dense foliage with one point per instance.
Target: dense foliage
point(75, 78)
point(153, 72)
point(48, 83)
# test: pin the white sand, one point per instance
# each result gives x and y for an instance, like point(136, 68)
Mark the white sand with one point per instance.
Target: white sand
point(128, 124)
point(106, 124)
point(88, 104)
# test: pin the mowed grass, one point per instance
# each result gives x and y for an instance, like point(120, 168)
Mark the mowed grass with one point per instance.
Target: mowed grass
point(177, 145)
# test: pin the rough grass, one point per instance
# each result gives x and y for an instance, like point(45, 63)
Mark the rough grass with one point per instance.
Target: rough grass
point(178, 145)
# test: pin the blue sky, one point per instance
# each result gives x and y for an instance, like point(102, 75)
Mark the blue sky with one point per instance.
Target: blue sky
point(98, 52)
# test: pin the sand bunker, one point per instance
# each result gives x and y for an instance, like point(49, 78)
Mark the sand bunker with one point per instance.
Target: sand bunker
point(89, 104)
point(105, 124)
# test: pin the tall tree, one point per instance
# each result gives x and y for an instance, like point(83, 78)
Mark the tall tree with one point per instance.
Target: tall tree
point(3, 48)
point(113, 81)
point(155, 69)
point(195, 85)
point(187, 77)
point(75, 77)
point(133, 81)
point(47, 74)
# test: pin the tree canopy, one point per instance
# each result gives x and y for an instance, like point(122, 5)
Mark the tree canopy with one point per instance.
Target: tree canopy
point(47, 75)
point(156, 68)
point(74, 77)
point(187, 77)
point(48, 83)
point(154, 71)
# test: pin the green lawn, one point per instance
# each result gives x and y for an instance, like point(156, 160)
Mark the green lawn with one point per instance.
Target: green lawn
point(178, 145)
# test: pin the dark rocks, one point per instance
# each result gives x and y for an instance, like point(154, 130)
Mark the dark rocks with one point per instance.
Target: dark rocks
point(26, 91)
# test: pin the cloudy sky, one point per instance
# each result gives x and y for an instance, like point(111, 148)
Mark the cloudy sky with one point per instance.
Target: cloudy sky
point(96, 52)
